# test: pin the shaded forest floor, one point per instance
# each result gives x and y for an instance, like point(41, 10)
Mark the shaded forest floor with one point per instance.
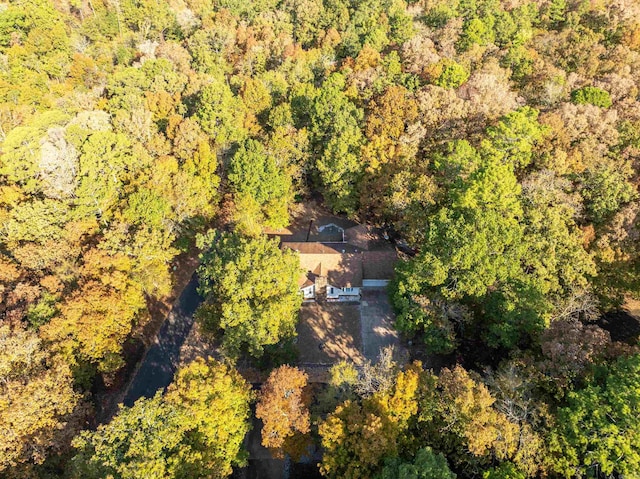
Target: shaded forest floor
point(623, 324)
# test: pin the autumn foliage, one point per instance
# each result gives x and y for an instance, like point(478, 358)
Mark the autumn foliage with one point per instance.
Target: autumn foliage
point(495, 142)
point(283, 407)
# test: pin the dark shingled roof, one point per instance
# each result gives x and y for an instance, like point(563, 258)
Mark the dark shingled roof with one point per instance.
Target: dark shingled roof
point(359, 235)
point(379, 264)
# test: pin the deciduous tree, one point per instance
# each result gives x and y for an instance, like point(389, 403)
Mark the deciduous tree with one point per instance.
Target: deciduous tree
point(97, 318)
point(359, 435)
point(197, 430)
point(256, 176)
point(335, 124)
point(251, 288)
point(283, 407)
point(425, 465)
point(598, 427)
point(37, 400)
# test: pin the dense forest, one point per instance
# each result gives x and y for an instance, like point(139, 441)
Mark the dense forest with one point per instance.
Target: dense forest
point(498, 139)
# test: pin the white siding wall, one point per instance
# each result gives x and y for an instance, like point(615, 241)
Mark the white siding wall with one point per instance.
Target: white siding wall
point(374, 283)
point(334, 293)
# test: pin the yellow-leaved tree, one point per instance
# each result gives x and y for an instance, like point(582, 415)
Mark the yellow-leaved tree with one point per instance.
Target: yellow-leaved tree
point(195, 430)
point(359, 435)
point(37, 400)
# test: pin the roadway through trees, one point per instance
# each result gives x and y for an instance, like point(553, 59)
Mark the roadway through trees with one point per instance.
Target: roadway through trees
point(162, 359)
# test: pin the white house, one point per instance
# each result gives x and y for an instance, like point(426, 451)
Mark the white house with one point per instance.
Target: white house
point(333, 270)
point(339, 270)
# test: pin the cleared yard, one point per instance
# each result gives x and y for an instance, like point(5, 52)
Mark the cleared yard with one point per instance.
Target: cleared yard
point(329, 332)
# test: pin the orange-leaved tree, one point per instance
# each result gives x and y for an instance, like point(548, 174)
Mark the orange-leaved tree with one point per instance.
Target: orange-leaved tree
point(283, 406)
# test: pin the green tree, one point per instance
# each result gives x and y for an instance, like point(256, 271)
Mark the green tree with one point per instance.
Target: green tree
point(598, 429)
point(472, 248)
point(335, 126)
point(106, 159)
point(478, 31)
point(221, 113)
point(452, 76)
point(505, 470)
point(418, 314)
point(426, 464)
point(592, 95)
point(556, 267)
point(147, 17)
point(516, 135)
point(255, 175)
point(476, 242)
point(343, 380)
point(557, 254)
point(556, 12)
point(251, 288)
point(122, 448)
point(196, 430)
point(307, 18)
point(606, 189)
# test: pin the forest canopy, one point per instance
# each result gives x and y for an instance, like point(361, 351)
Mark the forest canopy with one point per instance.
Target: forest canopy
point(496, 141)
